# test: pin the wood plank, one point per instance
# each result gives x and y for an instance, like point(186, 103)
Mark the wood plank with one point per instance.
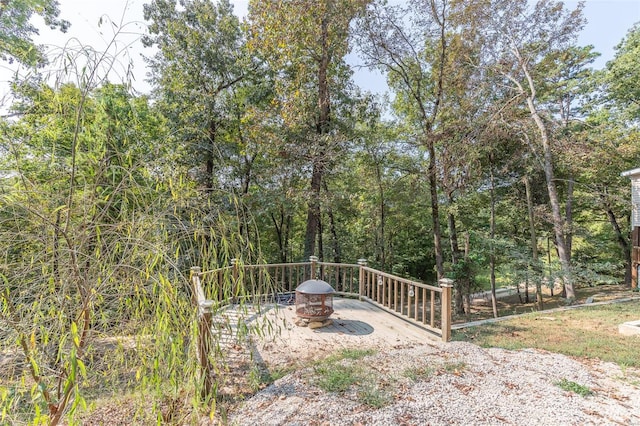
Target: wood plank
point(355, 324)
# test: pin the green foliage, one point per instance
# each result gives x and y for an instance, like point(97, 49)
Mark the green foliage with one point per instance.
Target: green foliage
point(621, 74)
point(571, 386)
point(419, 373)
point(16, 29)
point(454, 367)
point(424, 372)
point(208, 90)
point(373, 396)
point(342, 373)
point(97, 239)
point(107, 199)
point(333, 374)
point(83, 251)
point(336, 377)
point(266, 378)
point(352, 354)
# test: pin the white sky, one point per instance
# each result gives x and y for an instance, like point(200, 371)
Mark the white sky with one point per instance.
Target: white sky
point(608, 22)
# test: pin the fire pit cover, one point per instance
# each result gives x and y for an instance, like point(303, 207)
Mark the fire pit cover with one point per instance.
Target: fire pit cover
point(314, 300)
point(314, 287)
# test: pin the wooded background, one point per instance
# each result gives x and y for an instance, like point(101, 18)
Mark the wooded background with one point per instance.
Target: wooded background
point(495, 160)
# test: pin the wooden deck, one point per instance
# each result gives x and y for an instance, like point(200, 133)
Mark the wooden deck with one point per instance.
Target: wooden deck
point(394, 312)
point(355, 324)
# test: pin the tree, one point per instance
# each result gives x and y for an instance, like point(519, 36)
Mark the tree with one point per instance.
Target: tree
point(430, 52)
point(519, 38)
point(564, 93)
point(622, 74)
point(16, 29)
point(200, 64)
point(415, 63)
point(71, 229)
point(305, 43)
point(617, 125)
point(609, 144)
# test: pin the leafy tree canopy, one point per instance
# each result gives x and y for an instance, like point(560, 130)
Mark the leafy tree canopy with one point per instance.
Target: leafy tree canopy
point(16, 30)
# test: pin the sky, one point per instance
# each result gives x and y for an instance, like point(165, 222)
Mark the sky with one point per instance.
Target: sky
point(608, 22)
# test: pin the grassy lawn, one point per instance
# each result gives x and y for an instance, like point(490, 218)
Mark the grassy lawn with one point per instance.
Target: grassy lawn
point(590, 332)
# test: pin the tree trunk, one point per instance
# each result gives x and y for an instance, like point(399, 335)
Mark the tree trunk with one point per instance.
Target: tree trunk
point(492, 236)
point(433, 178)
point(313, 213)
point(245, 184)
point(286, 254)
point(320, 241)
point(322, 127)
point(552, 283)
point(455, 258)
point(435, 211)
point(558, 221)
point(622, 242)
point(534, 243)
point(382, 241)
point(467, 294)
point(282, 225)
point(208, 181)
point(337, 258)
point(453, 232)
point(569, 216)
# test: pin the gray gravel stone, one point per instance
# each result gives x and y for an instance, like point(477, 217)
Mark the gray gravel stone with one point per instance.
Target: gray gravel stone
point(456, 384)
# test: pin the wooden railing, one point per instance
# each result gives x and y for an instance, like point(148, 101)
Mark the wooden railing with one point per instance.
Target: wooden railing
point(426, 305)
point(422, 304)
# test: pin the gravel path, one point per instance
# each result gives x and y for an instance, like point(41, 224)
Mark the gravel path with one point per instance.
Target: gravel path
point(453, 384)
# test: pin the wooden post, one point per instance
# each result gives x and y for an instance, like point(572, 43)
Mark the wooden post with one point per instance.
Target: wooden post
point(205, 314)
point(197, 291)
point(446, 284)
point(314, 266)
point(205, 344)
point(234, 283)
point(361, 285)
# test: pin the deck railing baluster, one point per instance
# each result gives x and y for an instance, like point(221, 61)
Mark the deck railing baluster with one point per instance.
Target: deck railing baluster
point(433, 308)
point(423, 306)
point(387, 286)
point(372, 285)
point(384, 290)
point(412, 300)
point(395, 295)
point(275, 280)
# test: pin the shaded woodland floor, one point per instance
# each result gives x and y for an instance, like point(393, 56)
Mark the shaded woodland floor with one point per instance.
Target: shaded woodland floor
point(517, 304)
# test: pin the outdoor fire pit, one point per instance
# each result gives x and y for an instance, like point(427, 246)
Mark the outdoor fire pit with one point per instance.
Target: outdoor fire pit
point(314, 301)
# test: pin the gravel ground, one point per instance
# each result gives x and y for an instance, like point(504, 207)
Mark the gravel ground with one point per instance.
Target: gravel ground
point(453, 384)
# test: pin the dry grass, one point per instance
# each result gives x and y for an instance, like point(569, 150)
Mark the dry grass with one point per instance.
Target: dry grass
point(589, 332)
